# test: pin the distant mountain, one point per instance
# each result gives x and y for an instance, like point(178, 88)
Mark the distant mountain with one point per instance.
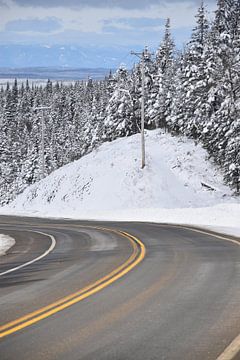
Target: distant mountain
point(52, 73)
point(18, 56)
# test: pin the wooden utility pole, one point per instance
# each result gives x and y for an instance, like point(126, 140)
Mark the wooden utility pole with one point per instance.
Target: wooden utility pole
point(145, 56)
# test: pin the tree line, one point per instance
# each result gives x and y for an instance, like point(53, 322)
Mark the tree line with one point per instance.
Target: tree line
point(195, 92)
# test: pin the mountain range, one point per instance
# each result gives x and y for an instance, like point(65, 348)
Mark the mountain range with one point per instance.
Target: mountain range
point(68, 56)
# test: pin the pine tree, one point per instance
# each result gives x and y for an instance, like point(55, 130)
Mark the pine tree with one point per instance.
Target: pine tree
point(163, 84)
point(193, 82)
point(226, 77)
point(120, 119)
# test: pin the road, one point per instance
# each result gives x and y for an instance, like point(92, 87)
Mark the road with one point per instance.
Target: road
point(86, 290)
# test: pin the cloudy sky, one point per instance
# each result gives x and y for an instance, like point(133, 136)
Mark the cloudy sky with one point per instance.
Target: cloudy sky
point(101, 22)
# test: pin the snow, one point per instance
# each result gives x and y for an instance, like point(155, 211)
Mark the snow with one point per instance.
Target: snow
point(232, 167)
point(32, 82)
point(109, 184)
point(6, 242)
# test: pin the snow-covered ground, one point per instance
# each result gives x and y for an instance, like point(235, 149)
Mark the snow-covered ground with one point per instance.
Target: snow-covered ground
point(6, 242)
point(109, 184)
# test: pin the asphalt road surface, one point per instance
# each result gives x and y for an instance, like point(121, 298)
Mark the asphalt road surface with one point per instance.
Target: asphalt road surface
point(116, 291)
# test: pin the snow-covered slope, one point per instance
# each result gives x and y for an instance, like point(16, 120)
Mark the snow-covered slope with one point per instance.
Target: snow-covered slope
point(109, 184)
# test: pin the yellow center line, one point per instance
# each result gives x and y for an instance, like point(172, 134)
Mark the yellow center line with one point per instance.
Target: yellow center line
point(79, 292)
point(42, 313)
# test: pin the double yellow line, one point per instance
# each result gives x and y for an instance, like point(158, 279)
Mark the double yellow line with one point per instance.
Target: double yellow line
point(136, 257)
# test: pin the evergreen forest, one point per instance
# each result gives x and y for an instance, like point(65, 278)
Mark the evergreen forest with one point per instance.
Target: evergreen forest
point(194, 92)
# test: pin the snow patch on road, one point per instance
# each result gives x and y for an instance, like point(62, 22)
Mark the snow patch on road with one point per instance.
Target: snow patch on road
point(104, 243)
point(6, 242)
point(178, 185)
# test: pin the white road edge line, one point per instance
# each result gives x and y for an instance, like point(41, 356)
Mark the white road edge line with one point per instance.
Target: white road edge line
point(53, 244)
point(225, 237)
point(233, 349)
point(203, 231)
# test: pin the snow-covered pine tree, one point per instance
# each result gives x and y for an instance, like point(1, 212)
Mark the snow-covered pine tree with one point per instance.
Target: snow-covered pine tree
point(198, 76)
point(189, 105)
point(120, 119)
point(225, 47)
point(175, 119)
point(163, 79)
point(232, 151)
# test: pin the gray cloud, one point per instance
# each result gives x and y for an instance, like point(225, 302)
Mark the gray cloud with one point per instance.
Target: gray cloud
point(3, 4)
point(35, 25)
point(125, 4)
point(136, 22)
point(129, 4)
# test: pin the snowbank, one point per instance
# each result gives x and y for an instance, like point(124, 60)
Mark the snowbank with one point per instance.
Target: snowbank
point(6, 242)
point(109, 184)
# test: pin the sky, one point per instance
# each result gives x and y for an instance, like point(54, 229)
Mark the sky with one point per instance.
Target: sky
point(96, 22)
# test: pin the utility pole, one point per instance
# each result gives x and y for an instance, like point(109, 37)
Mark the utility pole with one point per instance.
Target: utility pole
point(145, 56)
point(42, 109)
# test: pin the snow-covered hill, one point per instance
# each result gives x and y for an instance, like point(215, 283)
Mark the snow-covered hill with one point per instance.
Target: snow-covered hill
point(109, 184)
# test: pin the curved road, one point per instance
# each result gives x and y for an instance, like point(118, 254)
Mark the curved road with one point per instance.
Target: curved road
point(87, 290)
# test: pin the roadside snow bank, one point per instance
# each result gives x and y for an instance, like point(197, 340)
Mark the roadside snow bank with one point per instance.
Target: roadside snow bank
point(109, 184)
point(6, 242)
